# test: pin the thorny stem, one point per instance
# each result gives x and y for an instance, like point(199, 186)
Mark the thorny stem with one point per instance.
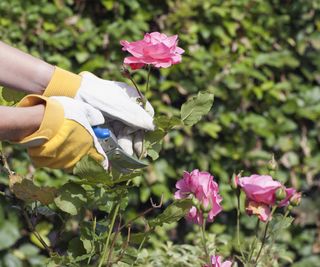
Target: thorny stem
point(113, 243)
point(254, 241)
point(238, 223)
point(5, 164)
point(125, 245)
point(204, 242)
point(138, 91)
point(283, 218)
point(265, 233)
point(30, 225)
point(154, 206)
point(109, 235)
point(34, 231)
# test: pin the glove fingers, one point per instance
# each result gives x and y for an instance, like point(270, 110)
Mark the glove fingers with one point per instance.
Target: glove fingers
point(84, 115)
point(138, 143)
point(125, 141)
point(80, 111)
point(93, 115)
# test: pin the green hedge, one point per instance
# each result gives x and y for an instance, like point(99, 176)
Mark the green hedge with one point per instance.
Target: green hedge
point(261, 59)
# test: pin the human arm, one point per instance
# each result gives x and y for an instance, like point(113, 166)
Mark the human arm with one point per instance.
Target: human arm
point(23, 72)
point(117, 101)
point(17, 123)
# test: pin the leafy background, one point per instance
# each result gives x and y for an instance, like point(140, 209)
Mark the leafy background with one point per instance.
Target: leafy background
point(260, 58)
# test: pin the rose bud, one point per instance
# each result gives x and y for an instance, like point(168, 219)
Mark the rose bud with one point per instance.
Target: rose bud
point(234, 181)
point(295, 200)
point(281, 193)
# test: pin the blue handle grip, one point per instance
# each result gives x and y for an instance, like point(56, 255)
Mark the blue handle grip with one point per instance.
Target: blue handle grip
point(101, 133)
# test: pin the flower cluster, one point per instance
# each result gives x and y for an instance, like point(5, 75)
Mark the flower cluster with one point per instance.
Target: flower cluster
point(155, 49)
point(216, 261)
point(262, 193)
point(204, 190)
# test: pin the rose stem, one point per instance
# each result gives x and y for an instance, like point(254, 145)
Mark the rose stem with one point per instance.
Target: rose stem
point(265, 232)
point(204, 242)
point(238, 223)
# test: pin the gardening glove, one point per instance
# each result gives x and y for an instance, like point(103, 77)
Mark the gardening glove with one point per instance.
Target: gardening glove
point(65, 134)
point(117, 101)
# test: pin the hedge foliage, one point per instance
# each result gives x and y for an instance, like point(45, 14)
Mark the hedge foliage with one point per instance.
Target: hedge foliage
point(260, 58)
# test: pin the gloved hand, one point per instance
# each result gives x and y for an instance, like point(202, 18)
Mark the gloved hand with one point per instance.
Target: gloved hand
point(117, 101)
point(65, 134)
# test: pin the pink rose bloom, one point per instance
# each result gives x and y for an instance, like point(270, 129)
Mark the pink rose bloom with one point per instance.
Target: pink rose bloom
point(260, 188)
point(155, 48)
point(216, 261)
point(259, 209)
point(201, 186)
point(289, 193)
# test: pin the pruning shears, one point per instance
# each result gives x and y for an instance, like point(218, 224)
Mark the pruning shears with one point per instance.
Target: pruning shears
point(120, 160)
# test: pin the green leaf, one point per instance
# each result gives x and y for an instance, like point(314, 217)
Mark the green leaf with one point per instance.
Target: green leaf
point(91, 171)
point(9, 234)
point(165, 123)
point(211, 129)
point(137, 238)
point(11, 260)
point(71, 198)
point(196, 107)
point(173, 213)
point(26, 190)
point(43, 229)
point(10, 95)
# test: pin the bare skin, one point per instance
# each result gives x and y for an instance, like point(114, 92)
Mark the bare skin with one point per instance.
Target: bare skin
point(23, 72)
point(19, 122)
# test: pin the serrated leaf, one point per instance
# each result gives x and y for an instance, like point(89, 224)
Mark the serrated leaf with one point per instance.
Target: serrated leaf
point(196, 107)
point(165, 123)
point(71, 198)
point(91, 171)
point(173, 213)
point(26, 190)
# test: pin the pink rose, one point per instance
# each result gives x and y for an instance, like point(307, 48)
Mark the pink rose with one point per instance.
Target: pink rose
point(201, 186)
point(259, 209)
point(155, 49)
point(216, 261)
point(289, 193)
point(260, 188)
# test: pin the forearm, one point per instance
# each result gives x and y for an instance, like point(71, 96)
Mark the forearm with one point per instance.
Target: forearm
point(19, 122)
point(22, 71)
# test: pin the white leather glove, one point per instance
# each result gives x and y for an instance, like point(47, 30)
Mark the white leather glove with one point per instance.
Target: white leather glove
point(65, 134)
point(117, 101)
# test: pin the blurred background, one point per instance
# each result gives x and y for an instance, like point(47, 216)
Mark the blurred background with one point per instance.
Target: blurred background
point(261, 59)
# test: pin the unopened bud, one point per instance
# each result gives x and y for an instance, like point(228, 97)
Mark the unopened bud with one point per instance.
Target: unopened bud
point(206, 208)
point(272, 164)
point(281, 193)
point(234, 181)
point(196, 203)
point(295, 200)
point(125, 72)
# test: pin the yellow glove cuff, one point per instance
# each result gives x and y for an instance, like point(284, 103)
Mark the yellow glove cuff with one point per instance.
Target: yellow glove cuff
point(63, 83)
point(59, 143)
point(66, 148)
point(52, 120)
